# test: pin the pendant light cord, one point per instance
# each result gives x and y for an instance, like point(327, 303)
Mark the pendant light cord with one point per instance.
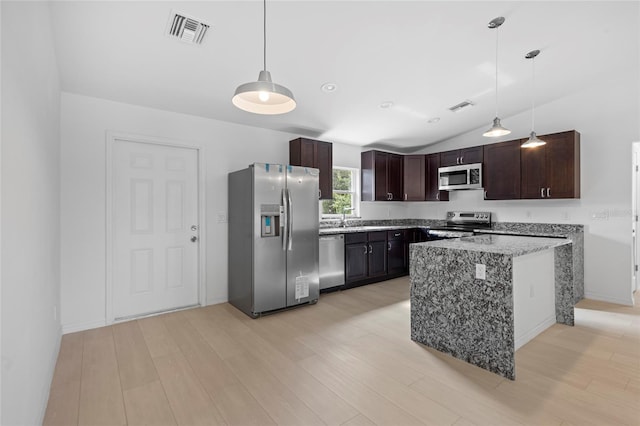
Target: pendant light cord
point(264, 33)
point(533, 93)
point(497, 29)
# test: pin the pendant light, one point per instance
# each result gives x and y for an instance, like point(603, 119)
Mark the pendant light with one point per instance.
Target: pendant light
point(264, 96)
point(533, 139)
point(496, 129)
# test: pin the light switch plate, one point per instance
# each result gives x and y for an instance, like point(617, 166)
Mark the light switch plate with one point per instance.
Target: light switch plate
point(481, 271)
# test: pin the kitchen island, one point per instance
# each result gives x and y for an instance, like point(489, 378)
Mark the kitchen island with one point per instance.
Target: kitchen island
point(484, 321)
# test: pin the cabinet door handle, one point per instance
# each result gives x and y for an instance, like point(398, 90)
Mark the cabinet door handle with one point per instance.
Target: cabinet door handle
point(485, 195)
point(388, 246)
point(457, 160)
point(370, 249)
point(548, 192)
point(319, 193)
point(438, 196)
point(365, 249)
point(405, 196)
point(462, 160)
point(542, 192)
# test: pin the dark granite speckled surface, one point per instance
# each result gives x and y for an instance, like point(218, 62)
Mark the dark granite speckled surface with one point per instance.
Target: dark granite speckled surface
point(480, 329)
point(472, 319)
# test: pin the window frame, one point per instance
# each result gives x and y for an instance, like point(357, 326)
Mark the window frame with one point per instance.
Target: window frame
point(355, 194)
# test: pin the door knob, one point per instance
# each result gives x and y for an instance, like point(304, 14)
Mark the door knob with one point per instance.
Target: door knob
point(194, 238)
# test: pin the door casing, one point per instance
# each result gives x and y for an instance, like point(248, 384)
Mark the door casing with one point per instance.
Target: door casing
point(111, 137)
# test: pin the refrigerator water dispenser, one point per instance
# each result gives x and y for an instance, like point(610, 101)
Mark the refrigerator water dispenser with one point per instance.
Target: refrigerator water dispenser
point(269, 220)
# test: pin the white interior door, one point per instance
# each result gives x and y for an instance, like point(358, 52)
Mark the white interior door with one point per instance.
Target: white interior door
point(155, 228)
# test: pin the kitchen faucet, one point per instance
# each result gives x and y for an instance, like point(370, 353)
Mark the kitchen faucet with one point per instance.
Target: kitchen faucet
point(344, 215)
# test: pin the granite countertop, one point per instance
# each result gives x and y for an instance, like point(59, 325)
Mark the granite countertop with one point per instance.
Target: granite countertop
point(527, 233)
point(514, 245)
point(368, 228)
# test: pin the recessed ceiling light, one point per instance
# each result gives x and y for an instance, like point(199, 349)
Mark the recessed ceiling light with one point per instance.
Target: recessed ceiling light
point(433, 120)
point(386, 104)
point(329, 87)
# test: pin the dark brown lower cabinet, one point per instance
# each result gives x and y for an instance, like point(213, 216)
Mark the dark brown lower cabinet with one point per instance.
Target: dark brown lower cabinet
point(397, 252)
point(365, 257)
point(377, 256)
point(356, 256)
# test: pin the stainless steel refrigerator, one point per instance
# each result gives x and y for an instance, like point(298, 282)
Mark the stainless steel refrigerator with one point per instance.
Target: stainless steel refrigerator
point(273, 237)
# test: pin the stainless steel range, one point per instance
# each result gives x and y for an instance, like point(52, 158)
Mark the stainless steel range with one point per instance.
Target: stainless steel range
point(461, 224)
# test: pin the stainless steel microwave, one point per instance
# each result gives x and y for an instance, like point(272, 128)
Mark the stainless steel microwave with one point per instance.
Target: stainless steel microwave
point(465, 176)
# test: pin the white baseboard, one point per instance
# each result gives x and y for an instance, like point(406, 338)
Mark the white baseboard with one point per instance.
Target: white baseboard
point(216, 301)
point(531, 334)
point(606, 298)
point(82, 326)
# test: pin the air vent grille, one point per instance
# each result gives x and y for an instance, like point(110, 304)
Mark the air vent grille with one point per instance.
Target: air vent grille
point(462, 105)
point(187, 29)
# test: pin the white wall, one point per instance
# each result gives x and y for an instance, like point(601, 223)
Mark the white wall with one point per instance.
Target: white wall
point(30, 211)
point(84, 123)
point(607, 116)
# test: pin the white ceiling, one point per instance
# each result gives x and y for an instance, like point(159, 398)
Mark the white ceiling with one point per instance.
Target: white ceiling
point(424, 56)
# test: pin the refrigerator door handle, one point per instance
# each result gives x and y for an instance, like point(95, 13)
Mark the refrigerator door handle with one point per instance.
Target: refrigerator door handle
point(284, 220)
point(289, 219)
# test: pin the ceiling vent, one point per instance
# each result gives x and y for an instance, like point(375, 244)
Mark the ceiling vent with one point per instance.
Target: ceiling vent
point(186, 29)
point(461, 106)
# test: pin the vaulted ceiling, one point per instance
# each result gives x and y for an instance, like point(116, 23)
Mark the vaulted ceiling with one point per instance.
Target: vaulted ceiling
point(421, 56)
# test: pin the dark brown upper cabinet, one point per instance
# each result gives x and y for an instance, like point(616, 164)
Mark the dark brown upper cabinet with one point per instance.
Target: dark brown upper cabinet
point(382, 174)
point(552, 170)
point(316, 154)
point(414, 178)
point(432, 163)
point(461, 156)
point(501, 170)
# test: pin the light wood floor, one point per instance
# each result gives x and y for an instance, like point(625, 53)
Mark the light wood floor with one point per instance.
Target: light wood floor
point(346, 361)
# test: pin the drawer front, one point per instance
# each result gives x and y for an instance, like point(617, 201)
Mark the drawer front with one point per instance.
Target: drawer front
point(355, 238)
point(396, 235)
point(378, 236)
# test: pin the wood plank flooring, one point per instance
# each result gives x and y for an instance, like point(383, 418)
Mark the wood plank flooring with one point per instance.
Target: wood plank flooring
point(348, 360)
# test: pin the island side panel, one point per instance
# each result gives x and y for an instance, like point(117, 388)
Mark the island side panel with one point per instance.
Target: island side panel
point(455, 313)
point(565, 292)
point(577, 239)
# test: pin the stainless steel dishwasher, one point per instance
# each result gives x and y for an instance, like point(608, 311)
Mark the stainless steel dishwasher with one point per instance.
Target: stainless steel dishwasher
point(331, 261)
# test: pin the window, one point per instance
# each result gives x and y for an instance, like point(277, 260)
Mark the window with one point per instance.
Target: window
point(345, 193)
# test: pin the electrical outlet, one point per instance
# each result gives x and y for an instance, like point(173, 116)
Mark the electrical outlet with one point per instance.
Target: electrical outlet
point(601, 215)
point(222, 217)
point(481, 271)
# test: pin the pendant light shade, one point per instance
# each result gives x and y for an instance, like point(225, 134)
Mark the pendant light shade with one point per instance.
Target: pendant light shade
point(264, 96)
point(533, 140)
point(496, 129)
